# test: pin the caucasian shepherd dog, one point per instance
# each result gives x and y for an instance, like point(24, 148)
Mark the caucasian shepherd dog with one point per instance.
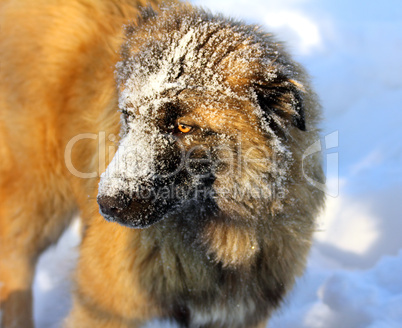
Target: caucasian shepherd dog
point(204, 214)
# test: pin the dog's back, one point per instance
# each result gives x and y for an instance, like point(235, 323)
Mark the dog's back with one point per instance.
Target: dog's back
point(56, 82)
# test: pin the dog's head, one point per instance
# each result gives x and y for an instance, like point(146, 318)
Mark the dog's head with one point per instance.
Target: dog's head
point(208, 106)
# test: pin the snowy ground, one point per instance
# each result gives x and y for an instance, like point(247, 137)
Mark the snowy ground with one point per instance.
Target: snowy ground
point(354, 274)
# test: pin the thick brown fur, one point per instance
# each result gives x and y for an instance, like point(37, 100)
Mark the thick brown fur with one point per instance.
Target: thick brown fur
point(233, 266)
point(57, 59)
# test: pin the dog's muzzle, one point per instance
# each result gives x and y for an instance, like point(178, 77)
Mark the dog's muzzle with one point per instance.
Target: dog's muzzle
point(132, 211)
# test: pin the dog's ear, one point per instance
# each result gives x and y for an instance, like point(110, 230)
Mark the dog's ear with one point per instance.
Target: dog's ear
point(281, 100)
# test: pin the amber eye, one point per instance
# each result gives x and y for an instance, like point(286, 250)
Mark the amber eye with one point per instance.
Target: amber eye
point(184, 128)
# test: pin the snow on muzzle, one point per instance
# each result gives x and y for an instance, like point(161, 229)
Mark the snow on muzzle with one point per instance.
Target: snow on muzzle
point(138, 187)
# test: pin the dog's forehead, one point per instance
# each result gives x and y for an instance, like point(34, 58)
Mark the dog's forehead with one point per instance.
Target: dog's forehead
point(203, 60)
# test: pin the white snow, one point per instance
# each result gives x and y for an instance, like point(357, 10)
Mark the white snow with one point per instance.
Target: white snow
point(354, 274)
point(336, 291)
point(52, 285)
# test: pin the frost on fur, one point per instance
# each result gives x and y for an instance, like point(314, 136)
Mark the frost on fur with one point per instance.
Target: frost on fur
point(204, 68)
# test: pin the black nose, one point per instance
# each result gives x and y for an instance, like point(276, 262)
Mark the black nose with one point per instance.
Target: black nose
point(112, 206)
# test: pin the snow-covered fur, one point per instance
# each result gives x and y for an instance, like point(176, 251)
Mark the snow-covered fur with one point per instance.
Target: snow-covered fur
point(237, 213)
point(207, 185)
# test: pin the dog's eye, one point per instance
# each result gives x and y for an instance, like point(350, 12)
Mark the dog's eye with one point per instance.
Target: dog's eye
point(183, 128)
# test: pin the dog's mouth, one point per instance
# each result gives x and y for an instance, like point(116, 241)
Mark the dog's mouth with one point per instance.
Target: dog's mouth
point(143, 209)
point(133, 212)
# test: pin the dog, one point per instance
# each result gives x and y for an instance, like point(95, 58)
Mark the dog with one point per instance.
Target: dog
point(179, 140)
